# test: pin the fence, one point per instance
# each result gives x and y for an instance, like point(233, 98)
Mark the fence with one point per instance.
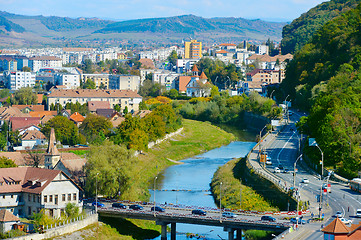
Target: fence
point(62, 228)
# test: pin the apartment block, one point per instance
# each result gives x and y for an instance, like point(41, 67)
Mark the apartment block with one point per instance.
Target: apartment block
point(193, 49)
point(17, 80)
point(70, 81)
point(124, 82)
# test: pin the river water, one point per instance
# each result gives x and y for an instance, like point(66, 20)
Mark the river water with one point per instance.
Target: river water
point(192, 180)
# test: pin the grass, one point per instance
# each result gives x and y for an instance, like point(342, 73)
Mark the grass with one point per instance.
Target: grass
point(79, 152)
point(231, 187)
point(196, 138)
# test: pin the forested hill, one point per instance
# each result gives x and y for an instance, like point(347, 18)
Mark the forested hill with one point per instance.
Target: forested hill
point(191, 24)
point(296, 34)
point(9, 26)
point(326, 75)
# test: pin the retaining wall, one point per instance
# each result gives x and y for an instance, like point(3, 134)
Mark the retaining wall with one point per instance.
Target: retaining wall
point(64, 229)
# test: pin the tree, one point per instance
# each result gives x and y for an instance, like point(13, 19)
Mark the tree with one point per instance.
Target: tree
point(108, 165)
point(24, 96)
point(65, 130)
point(172, 58)
point(4, 93)
point(117, 108)
point(93, 126)
point(125, 111)
point(87, 67)
point(71, 210)
point(36, 158)
point(89, 84)
point(26, 69)
point(6, 163)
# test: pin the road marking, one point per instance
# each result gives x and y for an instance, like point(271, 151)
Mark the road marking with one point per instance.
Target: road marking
point(278, 156)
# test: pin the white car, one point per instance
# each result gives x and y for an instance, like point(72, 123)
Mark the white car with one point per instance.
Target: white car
point(277, 170)
point(346, 221)
point(358, 213)
point(339, 214)
point(305, 180)
point(268, 161)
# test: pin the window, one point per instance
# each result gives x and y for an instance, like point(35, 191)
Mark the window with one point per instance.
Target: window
point(45, 198)
point(50, 198)
point(69, 197)
point(29, 197)
point(63, 197)
point(74, 196)
point(3, 196)
point(12, 196)
point(34, 198)
point(56, 199)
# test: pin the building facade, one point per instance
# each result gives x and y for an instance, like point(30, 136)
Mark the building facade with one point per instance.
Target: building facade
point(124, 82)
point(17, 80)
point(36, 63)
point(100, 80)
point(193, 49)
point(70, 81)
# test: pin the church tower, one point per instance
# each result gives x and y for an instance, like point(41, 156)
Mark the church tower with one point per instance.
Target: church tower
point(52, 155)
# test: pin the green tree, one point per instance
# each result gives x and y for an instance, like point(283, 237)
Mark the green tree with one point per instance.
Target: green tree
point(24, 96)
point(109, 165)
point(87, 67)
point(172, 58)
point(6, 163)
point(117, 108)
point(4, 93)
point(93, 126)
point(71, 210)
point(125, 111)
point(65, 130)
point(26, 69)
point(89, 84)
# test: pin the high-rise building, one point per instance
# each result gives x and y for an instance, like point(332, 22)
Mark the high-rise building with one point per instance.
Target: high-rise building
point(193, 49)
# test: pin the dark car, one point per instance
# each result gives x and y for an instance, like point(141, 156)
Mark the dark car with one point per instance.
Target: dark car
point(157, 209)
point(285, 170)
point(199, 212)
point(268, 218)
point(281, 167)
point(99, 204)
point(118, 205)
point(297, 221)
point(136, 207)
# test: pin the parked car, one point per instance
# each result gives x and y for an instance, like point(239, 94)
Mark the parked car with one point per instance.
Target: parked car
point(118, 205)
point(285, 170)
point(305, 180)
point(199, 212)
point(157, 209)
point(136, 207)
point(277, 170)
point(268, 218)
point(280, 167)
point(346, 221)
point(358, 213)
point(268, 161)
point(228, 215)
point(99, 204)
point(297, 221)
point(339, 214)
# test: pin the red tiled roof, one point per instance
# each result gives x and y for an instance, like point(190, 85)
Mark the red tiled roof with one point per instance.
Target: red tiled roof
point(40, 98)
point(22, 122)
point(203, 76)
point(195, 69)
point(44, 58)
point(94, 105)
point(32, 107)
point(336, 226)
point(6, 216)
point(17, 157)
point(41, 114)
point(7, 112)
point(227, 44)
point(183, 82)
point(32, 135)
point(222, 51)
point(76, 117)
point(146, 62)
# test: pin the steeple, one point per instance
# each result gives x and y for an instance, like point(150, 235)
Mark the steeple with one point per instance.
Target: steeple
point(195, 70)
point(52, 155)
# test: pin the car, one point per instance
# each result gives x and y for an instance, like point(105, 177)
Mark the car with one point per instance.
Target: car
point(268, 161)
point(157, 209)
point(290, 112)
point(136, 207)
point(326, 186)
point(276, 170)
point(268, 218)
point(297, 220)
point(280, 167)
point(118, 205)
point(199, 212)
point(346, 221)
point(285, 170)
point(305, 180)
point(339, 214)
point(358, 213)
point(228, 214)
point(99, 204)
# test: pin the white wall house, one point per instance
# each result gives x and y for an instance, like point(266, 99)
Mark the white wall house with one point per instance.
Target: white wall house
point(71, 81)
point(36, 63)
point(124, 82)
point(17, 80)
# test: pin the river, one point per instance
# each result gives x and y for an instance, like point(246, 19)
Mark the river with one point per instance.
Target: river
point(192, 180)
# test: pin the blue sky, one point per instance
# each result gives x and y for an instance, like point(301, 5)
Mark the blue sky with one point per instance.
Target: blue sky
point(278, 10)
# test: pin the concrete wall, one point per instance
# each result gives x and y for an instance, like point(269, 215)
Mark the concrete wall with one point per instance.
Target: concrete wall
point(151, 144)
point(58, 231)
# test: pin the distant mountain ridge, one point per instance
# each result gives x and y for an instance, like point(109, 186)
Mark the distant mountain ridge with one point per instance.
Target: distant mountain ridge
point(40, 30)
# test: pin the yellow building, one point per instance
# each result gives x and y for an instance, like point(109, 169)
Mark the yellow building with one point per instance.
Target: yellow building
point(193, 49)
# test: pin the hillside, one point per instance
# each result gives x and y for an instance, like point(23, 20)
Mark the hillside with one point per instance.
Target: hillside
point(37, 31)
point(198, 26)
point(300, 31)
point(325, 76)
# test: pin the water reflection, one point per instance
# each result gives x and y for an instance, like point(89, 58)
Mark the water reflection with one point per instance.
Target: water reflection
point(192, 180)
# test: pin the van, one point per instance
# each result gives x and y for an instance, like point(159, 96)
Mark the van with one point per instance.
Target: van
point(358, 213)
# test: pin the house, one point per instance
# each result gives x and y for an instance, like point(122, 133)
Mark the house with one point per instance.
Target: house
point(41, 114)
point(29, 108)
point(32, 138)
point(17, 157)
point(266, 76)
point(77, 118)
point(65, 113)
point(26, 190)
point(7, 112)
point(199, 86)
point(7, 220)
point(181, 83)
point(108, 113)
point(337, 230)
point(22, 122)
point(147, 63)
point(94, 105)
point(124, 98)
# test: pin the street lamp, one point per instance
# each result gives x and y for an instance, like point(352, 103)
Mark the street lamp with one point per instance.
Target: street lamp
point(96, 193)
point(299, 142)
point(286, 104)
point(300, 186)
point(220, 201)
point(154, 192)
point(294, 171)
point(321, 160)
point(272, 93)
point(260, 139)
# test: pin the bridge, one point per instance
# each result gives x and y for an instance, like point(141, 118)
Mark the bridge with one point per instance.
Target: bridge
point(174, 215)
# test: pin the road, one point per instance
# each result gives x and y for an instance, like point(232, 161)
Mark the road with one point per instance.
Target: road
point(284, 150)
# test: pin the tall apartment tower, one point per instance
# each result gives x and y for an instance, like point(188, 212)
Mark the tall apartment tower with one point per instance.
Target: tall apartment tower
point(193, 50)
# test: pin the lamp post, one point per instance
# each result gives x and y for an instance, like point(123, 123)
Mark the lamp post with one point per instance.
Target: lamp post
point(220, 201)
point(299, 142)
point(215, 81)
point(260, 140)
point(300, 186)
point(286, 104)
point(96, 193)
point(321, 160)
point(155, 179)
point(294, 171)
